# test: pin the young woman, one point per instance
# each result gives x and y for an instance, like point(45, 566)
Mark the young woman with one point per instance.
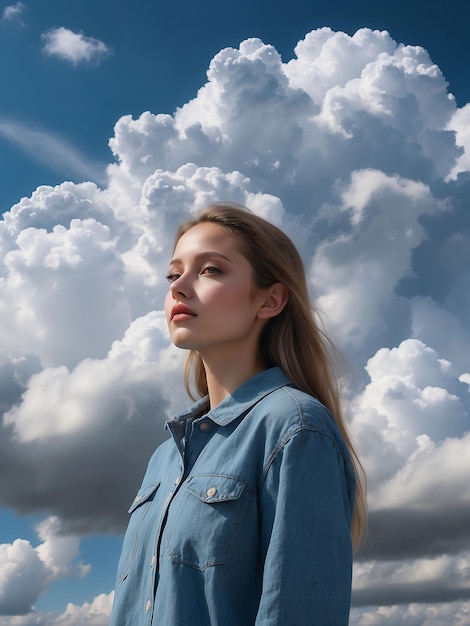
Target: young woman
point(248, 513)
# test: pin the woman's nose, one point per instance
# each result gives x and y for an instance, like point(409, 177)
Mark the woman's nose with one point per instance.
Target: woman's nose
point(180, 287)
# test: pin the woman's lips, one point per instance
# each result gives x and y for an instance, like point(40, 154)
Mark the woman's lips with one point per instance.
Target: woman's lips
point(180, 317)
point(180, 312)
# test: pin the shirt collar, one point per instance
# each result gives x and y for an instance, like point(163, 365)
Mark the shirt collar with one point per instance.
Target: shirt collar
point(240, 401)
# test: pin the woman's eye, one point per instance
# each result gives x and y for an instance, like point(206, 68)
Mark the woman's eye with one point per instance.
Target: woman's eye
point(210, 270)
point(172, 277)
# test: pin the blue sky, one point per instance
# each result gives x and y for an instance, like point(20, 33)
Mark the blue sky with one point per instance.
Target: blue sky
point(352, 143)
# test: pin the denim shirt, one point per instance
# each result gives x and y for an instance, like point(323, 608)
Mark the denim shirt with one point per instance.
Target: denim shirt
point(243, 517)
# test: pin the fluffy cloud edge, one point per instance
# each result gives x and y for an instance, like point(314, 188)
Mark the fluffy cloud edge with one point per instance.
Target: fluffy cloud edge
point(73, 47)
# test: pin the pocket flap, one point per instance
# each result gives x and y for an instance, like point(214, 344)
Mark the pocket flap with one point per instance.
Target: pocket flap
point(213, 488)
point(144, 493)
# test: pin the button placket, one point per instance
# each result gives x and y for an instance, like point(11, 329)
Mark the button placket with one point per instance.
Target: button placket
point(198, 436)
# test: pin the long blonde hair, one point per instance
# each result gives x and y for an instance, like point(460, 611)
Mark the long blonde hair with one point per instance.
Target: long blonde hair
point(293, 340)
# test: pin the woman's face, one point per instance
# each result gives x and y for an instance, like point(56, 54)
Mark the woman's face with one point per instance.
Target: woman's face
point(212, 303)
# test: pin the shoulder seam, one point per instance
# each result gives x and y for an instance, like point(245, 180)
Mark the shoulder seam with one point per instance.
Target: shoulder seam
point(302, 426)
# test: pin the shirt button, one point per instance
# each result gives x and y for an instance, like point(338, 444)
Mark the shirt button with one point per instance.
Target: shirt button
point(177, 480)
point(211, 492)
point(153, 560)
point(203, 426)
point(148, 606)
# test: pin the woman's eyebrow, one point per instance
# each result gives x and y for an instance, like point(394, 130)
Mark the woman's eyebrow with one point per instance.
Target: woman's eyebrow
point(205, 255)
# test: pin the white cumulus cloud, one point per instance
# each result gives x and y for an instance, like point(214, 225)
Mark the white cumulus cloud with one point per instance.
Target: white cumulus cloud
point(460, 123)
point(26, 572)
point(74, 47)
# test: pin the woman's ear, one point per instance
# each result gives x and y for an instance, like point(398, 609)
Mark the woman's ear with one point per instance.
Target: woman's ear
point(275, 299)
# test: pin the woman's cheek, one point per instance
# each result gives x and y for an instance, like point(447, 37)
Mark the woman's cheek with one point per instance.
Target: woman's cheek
point(167, 304)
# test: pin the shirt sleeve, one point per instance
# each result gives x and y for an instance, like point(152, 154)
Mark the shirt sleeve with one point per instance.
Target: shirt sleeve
point(306, 509)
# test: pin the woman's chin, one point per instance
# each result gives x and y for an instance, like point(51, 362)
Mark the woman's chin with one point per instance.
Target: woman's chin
point(184, 343)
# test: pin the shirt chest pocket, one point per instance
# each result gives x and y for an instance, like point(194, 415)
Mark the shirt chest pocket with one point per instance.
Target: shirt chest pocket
point(205, 519)
point(133, 537)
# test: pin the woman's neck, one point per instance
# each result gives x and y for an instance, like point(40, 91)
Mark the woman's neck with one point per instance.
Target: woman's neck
point(224, 376)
